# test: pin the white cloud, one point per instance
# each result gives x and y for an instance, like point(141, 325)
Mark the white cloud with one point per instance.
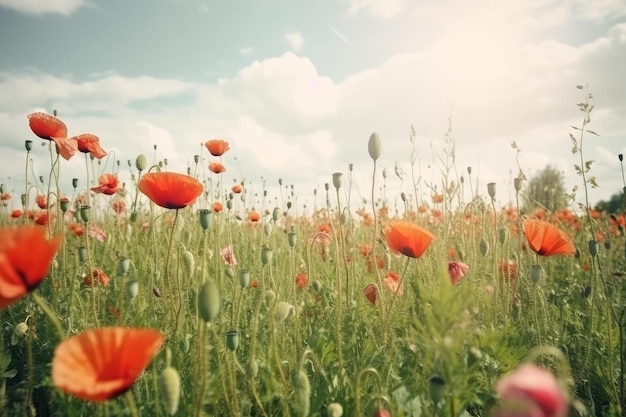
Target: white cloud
point(246, 50)
point(383, 9)
point(295, 40)
point(39, 7)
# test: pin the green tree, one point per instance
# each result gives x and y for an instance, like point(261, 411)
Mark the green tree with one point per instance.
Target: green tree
point(546, 189)
point(614, 205)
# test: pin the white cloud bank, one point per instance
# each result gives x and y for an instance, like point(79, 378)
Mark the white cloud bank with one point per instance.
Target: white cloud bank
point(40, 7)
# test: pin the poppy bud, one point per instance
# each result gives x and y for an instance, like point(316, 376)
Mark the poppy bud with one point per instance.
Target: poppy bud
point(133, 217)
point(253, 368)
point(230, 273)
point(85, 211)
point(229, 204)
point(337, 180)
point(517, 183)
point(266, 255)
point(436, 389)
point(607, 244)
point(209, 300)
point(291, 238)
point(503, 235)
point(75, 182)
point(491, 190)
point(189, 263)
point(132, 289)
point(621, 157)
point(326, 186)
point(82, 254)
point(469, 170)
point(484, 247)
point(122, 266)
point(384, 173)
point(41, 179)
point(334, 410)
point(317, 286)
point(141, 162)
point(594, 247)
point(462, 179)
point(403, 197)
point(232, 340)
point(276, 214)
point(23, 198)
point(169, 389)
point(205, 218)
point(374, 146)
point(302, 392)
point(535, 273)
point(28, 145)
point(65, 204)
point(196, 158)
point(244, 278)
point(288, 205)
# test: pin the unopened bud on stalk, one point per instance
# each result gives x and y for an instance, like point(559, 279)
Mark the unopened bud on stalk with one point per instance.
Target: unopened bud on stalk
point(503, 235)
point(85, 211)
point(517, 183)
point(374, 146)
point(196, 158)
point(123, 265)
point(536, 272)
point(436, 389)
point(232, 340)
point(169, 386)
point(28, 145)
point(141, 162)
point(484, 247)
point(244, 278)
point(208, 300)
point(204, 215)
point(132, 289)
point(266, 255)
point(276, 214)
point(594, 247)
point(292, 237)
point(621, 157)
point(469, 170)
point(82, 254)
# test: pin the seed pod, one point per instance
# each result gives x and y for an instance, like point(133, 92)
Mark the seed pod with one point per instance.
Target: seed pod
point(337, 180)
point(169, 389)
point(232, 340)
point(244, 278)
point(276, 214)
point(594, 247)
point(204, 215)
point(436, 389)
point(302, 393)
point(209, 300)
point(503, 235)
point(374, 146)
point(536, 273)
point(266, 255)
point(123, 265)
point(132, 289)
point(491, 190)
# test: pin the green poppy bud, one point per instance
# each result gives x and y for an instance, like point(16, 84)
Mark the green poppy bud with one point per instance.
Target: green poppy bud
point(266, 255)
point(594, 247)
point(132, 289)
point(141, 162)
point(204, 216)
point(232, 340)
point(209, 300)
point(484, 247)
point(536, 273)
point(169, 389)
point(374, 146)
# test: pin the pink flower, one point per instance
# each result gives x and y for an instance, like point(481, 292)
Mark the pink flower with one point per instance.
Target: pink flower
point(229, 256)
point(457, 270)
point(531, 391)
point(392, 281)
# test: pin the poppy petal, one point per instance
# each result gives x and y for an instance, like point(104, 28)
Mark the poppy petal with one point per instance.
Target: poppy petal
point(46, 126)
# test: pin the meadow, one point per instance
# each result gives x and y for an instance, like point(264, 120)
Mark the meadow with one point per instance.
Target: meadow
point(182, 295)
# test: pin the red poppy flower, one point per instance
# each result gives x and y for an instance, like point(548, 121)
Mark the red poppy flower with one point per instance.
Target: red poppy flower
point(508, 270)
point(109, 184)
point(237, 188)
point(408, 238)
point(16, 214)
point(41, 201)
point(99, 276)
point(457, 270)
point(302, 280)
point(392, 281)
point(99, 364)
point(88, 143)
point(546, 239)
point(25, 256)
point(118, 205)
point(76, 228)
point(254, 216)
point(42, 218)
point(217, 207)
point(217, 147)
point(371, 293)
point(217, 167)
point(170, 190)
point(366, 249)
point(49, 127)
point(5, 196)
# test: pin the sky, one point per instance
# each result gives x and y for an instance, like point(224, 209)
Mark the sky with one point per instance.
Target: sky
point(298, 87)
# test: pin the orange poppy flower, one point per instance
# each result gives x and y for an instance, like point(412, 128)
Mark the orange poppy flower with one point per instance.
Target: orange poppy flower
point(392, 281)
point(16, 214)
point(371, 293)
point(42, 218)
point(546, 239)
point(41, 201)
point(109, 184)
point(88, 143)
point(5, 196)
point(254, 216)
point(49, 127)
point(100, 364)
point(217, 147)
point(217, 207)
point(407, 238)
point(437, 198)
point(170, 190)
point(217, 167)
point(302, 280)
point(25, 256)
point(97, 275)
point(237, 188)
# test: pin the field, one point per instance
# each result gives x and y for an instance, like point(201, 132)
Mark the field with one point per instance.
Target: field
point(179, 295)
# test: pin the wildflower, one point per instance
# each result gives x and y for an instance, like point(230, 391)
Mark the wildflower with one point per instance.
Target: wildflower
point(100, 364)
point(437, 198)
point(217, 167)
point(371, 293)
point(118, 205)
point(88, 143)
point(4, 197)
point(25, 256)
point(170, 190)
point(42, 201)
point(228, 256)
point(109, 184)
point(217, 207)
point(42, 218)
point(254, 216)
point(99, 276)
point(237, 188)
point(408, 238)
point(374, 263)
point(217, 147)
point(508, 270)
point(16, 214)
point(392, 281)
point(531, 391)
point(365, 249)
point(49, 127)
point(546, 239)
point(96, 232)
point(302, 280)
point(76, 228)
point(457, 270)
